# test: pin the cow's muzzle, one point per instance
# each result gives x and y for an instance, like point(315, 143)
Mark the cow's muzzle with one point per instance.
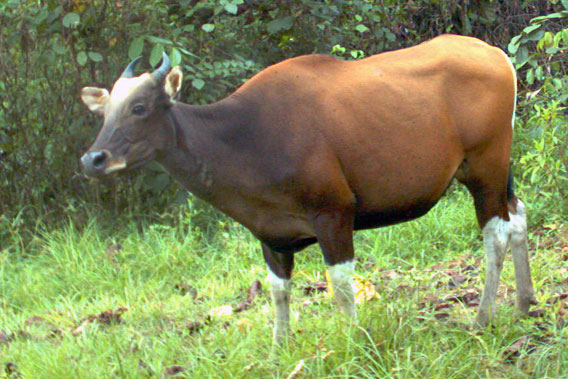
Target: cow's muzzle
point(99, 163)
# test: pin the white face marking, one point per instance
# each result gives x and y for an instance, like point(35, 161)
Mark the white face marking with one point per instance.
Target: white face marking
point(125, 86)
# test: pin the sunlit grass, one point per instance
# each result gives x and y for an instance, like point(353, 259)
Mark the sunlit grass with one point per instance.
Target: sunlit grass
point(172, 278)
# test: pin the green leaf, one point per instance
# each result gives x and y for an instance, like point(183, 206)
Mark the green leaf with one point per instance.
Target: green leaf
point(231, 8)
point(159, 40)
point(531, 28)
point(59, 47)
point(530, 76)
point(82, 58)
point(522, 56)
point(208, 28)
point(156, 54)
point(535, 35)
point(197, 83)
point(565, 4)
point(95, 57)
point(175, 57)
point(514, 44)
point(551, 16)
point(552, 50)
point(280, 24)
point(71, 20)
point(361, 28)
point(136, 47)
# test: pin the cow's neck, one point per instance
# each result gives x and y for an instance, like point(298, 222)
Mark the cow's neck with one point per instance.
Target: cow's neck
point(201, 153)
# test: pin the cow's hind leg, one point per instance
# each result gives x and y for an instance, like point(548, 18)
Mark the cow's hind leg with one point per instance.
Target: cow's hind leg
point(519, 248)
point(495, 239)
point(502, 218)
point(335, 236)
point(280, 267)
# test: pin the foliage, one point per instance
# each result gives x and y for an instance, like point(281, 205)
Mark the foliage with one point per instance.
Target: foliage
point(542, 47)
point(538, 53)
point(50, 49)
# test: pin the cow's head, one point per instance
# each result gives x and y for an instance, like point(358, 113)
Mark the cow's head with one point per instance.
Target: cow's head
point(136, 127)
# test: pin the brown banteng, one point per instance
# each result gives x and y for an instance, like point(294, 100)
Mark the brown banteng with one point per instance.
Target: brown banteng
point(312, 148)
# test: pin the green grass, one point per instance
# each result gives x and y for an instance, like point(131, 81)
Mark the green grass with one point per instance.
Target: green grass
point(171, 279)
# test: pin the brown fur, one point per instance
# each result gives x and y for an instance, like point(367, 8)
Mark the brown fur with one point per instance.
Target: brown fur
point(314, 147)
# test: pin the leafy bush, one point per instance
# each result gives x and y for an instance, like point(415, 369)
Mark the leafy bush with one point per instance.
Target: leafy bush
point(50, 49)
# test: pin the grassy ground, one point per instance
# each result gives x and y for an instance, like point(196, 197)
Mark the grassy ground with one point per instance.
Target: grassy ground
point(167, 301)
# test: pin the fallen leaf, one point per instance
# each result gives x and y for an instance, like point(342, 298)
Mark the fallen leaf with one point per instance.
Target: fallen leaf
point(184, 289)
point(364, 291)
point(314, 287)
point(456, 279)
point(514, 351)
point(55, 333)
point(253, 291)
point(537, 313)
point(24, 335)
point(194, 326)
point(437, 307)
point(4, 338)
point(468, 268)
point(174, 370)
point(35, 320)
point(112, 250)
point(78, 330)
point(556, 299)
point(441, 315)
point(466, 297)
point(109, 317)
point(11, 370)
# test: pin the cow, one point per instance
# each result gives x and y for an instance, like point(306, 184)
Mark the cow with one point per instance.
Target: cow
point(313, 148)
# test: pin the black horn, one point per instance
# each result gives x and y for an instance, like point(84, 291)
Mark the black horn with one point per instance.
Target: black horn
point(129, 70)
point(160, 73)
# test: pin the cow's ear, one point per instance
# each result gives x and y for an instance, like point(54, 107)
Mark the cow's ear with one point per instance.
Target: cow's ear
point(173, 82)
point(95, 99)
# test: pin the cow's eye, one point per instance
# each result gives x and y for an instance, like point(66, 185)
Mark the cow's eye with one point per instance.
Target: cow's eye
point(139, 110)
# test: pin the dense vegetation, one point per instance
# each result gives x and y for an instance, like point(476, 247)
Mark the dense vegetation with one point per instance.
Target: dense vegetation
point(50, 49)
point(95, 277)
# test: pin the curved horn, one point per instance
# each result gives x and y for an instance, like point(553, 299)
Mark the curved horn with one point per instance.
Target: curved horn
point(160, 73)
point(129, 70)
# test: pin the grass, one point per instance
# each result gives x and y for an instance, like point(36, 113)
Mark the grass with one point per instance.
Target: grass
point(111, 301)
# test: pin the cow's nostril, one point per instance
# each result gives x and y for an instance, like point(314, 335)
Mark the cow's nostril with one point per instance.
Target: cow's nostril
point(99, 159)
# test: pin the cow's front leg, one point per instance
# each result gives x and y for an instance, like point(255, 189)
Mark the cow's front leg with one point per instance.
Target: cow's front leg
point(280, 267)
point(335, 236)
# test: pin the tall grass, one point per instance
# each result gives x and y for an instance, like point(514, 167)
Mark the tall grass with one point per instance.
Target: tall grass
point(174, 281)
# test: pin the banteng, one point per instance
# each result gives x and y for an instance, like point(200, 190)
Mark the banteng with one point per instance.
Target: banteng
point(313, 148)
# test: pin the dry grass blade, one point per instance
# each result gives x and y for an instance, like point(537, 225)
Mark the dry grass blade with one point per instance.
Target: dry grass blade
point(297, 370)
